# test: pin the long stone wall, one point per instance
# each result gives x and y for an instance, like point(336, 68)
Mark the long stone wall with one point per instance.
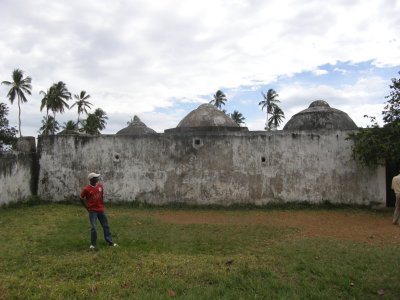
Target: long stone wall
point(211, 168)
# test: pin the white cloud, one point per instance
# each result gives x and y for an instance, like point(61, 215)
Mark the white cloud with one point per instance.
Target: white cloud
point(139, 56)
point(319, 72)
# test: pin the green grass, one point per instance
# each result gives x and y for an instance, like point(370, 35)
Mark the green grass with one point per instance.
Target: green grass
point(44, 255)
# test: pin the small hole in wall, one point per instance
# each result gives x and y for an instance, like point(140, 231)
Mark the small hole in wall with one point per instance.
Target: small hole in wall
point(263, 159)
point(117, 157)
point(197, 141)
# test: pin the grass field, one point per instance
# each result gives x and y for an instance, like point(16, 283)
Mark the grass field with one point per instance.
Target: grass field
point(166, 253)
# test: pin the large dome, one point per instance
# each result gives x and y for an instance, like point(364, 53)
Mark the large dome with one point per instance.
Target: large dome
point(136, 127)
point(319, 115)
point(207, 117)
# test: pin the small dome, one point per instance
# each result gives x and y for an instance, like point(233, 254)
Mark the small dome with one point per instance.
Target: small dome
point(319, 115)
point(207, 117)
point(136, 127)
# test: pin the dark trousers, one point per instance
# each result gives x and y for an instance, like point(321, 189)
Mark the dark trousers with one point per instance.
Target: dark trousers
point(93, 216)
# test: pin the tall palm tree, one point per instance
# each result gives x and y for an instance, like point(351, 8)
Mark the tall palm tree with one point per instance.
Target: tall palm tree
point(276, 118)
point(219, 99)
point(237, 117)
point(55, 99)
point(59, 95)
point(49, 126)
point(45, 101)
point(270, 103)
point(81, 103)
point(19, 86)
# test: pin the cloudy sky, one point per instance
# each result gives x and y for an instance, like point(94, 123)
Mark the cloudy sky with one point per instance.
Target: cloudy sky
point(161, 59)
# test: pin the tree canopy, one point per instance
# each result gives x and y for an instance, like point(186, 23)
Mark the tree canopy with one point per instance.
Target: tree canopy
point(95, 122)
point(380, 145)
point(219, 99)
point(7, 134)
point(237, 117)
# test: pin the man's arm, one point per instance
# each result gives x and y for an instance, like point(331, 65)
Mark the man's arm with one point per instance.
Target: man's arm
point(82, 198)
point(83, 202)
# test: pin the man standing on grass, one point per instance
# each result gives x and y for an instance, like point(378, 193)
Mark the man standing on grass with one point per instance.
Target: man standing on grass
point(92, 198)
point(396, 188)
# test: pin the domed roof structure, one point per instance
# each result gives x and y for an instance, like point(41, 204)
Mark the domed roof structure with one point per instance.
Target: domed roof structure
point(207, 117)
point(319, 115)
point(136, 127)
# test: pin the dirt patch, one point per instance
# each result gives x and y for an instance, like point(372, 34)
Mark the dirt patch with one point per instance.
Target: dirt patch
point(356, 225)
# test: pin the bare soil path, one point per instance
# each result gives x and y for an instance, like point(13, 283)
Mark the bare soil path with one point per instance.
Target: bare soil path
point(358, 225)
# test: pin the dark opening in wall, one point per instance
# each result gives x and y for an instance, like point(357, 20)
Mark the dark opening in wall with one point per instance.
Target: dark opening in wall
point(117, 157)
point(263, 159)
point(197, 143)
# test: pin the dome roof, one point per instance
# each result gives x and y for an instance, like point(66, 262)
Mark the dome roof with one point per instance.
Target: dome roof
point(319, 115)
point(136, 127)
point(207, 117)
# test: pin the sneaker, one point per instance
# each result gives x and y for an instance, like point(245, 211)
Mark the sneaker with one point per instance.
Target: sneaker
point(92, 247)
point(113, 245)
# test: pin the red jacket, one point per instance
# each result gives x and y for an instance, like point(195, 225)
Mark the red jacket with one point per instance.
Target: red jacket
point(93, 196)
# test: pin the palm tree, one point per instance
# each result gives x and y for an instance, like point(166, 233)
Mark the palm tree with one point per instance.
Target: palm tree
point(82, 103)
point(70, 125)
point(55, 99)
point(59, 95)
point(45, 101)
point(102, 117)
point(276, 118)
point(19, 86)
point(219, 99)
point(270, 103)
point(237, 117)
point(49, 126)
point(95, 122)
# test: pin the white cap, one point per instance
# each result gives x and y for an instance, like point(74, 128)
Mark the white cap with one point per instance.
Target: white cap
point(93, 175)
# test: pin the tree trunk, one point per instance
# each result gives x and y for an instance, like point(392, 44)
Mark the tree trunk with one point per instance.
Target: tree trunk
point(19, 118)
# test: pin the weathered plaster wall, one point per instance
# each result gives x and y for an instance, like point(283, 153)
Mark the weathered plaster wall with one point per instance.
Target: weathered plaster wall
point(16, 176)
point(211, 168)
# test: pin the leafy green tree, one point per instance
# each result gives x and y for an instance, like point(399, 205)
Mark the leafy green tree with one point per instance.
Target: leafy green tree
point(19, 86)
point(81, 103)
point(219, 99)
point(95, 122)
point(270, 104)
point(49, 126)
point(237, 117)
point(7, 134)
point(380, 145)
point(391, 114)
